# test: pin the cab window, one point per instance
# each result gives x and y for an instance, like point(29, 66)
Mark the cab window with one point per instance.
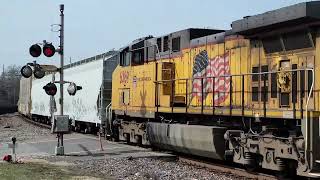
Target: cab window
point(137, 53)
point(125, 57)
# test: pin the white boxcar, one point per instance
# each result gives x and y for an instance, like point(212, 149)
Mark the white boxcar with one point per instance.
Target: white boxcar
point(40, 100)
point(84, 105)
point(86, 108)
point(24, 103)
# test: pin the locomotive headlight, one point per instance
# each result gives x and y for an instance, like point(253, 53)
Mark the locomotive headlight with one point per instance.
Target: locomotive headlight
point(26, 71)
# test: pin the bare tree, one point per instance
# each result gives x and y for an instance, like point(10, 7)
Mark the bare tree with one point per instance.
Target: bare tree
point(9, 86)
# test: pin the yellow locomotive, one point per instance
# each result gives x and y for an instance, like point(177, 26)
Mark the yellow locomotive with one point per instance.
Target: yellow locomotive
point(249, 94)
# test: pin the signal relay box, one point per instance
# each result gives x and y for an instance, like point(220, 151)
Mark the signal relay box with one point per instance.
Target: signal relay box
point(60, 124)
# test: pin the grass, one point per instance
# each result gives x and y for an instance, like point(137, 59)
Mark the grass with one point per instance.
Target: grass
point(33, 171)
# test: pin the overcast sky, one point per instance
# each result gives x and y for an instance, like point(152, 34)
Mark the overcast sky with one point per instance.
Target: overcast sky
point(96, 26)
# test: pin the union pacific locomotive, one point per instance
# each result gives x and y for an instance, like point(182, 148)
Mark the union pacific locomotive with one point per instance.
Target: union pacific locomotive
point(249, 95)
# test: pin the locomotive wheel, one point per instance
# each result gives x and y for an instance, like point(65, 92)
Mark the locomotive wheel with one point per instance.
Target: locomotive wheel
point(250, 167)
point(139, 140)
point(128, 138)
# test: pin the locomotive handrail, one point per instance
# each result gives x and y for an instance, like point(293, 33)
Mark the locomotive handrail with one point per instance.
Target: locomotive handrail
point(262, 73)
point(307, 124)
point(109, 114)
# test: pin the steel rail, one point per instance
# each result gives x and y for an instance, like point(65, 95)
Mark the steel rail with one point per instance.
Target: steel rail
point(35, 123)
point(227, 169)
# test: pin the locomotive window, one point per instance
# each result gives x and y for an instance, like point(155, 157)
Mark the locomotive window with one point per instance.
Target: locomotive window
point(296, 40)
point(159, 44)
point(255, 77)
point(262, 93)
point(274, 85)
point(147, 54)
point(265, 69)
point(294, 83)
point(151, 53)
point(138, 53)
point(125, 59)
point(284, 101)
point(138, 57)
point(272, 45)
point(124, 96)
point(176, 44)
point(165, 43)
point(255, 94)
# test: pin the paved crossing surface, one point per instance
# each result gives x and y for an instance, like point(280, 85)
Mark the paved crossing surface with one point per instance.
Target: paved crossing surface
point(77, 145)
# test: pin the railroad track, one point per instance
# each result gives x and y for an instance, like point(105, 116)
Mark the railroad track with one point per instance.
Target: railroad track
point(196, 162)
point(35, 123)
point(227, 169)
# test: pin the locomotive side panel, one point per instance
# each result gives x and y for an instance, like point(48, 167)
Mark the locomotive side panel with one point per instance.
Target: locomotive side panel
point(141, 84)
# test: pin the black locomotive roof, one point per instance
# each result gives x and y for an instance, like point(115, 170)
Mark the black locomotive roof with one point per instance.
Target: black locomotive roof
point(307, 12)
point(196, 32)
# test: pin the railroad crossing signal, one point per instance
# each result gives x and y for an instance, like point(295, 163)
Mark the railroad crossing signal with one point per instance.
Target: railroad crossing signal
point(51, 89)
point(26, 71)
point(35, 50)
point(38, 72)
point(73, 88)
point(48, 50)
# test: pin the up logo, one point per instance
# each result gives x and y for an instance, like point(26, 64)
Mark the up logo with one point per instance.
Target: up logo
point(124, 77)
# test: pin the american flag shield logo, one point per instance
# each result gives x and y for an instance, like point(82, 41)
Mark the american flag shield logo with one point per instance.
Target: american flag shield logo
point(217, 67)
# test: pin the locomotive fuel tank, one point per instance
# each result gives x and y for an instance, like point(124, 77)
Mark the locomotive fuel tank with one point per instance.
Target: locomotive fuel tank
point(205, 141)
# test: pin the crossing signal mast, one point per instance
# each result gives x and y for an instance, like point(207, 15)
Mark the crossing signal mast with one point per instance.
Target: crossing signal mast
point(60, 122)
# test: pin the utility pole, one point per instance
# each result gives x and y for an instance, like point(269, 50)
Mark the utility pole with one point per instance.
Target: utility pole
point(3, 71)
point(60, 148)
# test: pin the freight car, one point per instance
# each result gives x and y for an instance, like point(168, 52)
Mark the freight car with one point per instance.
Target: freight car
point(248, 95)
point(86, 108)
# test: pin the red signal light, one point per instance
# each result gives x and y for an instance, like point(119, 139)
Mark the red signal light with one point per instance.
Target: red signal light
point(35, 50)
point(51, 89)
point(48, 50)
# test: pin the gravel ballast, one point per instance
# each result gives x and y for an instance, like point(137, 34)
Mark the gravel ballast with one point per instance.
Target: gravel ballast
point(141, 168)
point(13, 125)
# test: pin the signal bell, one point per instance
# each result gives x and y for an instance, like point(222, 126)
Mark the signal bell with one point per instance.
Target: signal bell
point(51, 89)
point(48, 50)
point(35, 50)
